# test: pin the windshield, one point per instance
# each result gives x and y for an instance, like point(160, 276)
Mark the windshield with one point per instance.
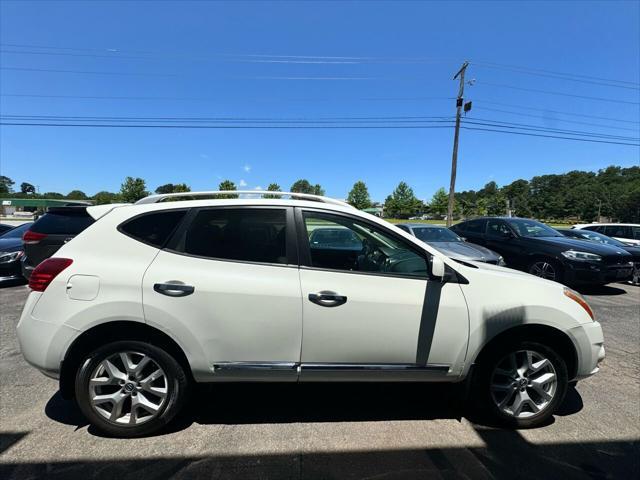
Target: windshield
point(531, 228)
point(435, 234)
point(598, 237)
point(17, 232)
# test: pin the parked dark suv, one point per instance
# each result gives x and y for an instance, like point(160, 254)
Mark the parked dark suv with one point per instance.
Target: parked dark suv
point(50, 232)
point(542, 251)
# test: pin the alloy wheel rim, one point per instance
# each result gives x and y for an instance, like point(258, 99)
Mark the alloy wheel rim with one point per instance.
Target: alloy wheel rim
point(523, 384)
point(543, 270)
point(128, 388)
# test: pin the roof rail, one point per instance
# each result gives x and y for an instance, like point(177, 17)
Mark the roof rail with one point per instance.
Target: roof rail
point(193, 196)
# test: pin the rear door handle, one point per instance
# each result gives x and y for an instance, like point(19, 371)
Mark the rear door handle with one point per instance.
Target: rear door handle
point(327, 299)
point(173, 289)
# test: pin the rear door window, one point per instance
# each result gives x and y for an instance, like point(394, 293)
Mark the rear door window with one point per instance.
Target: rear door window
point(153, 228)
point(618, 231)
point(70, 222)
point(240, 234)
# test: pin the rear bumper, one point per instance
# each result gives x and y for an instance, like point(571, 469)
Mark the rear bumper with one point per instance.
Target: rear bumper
point(592, 273)
point(589, 343)
point(43, 343)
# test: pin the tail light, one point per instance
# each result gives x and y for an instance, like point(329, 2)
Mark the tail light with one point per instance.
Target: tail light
point(31, 238)
point(46, 271)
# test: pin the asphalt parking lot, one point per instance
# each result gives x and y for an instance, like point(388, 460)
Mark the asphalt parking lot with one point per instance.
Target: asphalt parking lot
point(332, 431)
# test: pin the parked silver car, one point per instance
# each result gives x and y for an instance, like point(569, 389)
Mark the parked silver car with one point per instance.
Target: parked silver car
point(451, 244)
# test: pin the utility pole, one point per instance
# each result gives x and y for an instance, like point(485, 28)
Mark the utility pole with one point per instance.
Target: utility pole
point(454, 157)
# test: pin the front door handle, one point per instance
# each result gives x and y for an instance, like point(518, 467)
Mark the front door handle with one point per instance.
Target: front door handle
point(327, 299)
point(173, 289)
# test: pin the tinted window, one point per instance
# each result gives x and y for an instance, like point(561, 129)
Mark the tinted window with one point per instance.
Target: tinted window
point(153, 228)
point(497, 228)
point(595, 229)
point(69, 222)
point(472, 226)
point(636, 232)
point(356, 246)
point(531, 228)
point(246, 234)
point(617, 231)
point(598, 237)
point(435, 234)
point(16, 232)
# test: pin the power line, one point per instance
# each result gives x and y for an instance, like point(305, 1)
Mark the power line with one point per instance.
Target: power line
point(98, 125)
point(87, 72)
point(284, 119)
point(524, 126)
point(550, 136)
point(573, 114)
point(236, 120)
point(608, 83)
point(563, 94)
point(108, 97)
point(510, 112)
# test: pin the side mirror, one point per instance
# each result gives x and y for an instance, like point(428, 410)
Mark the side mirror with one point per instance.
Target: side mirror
point(437, 267)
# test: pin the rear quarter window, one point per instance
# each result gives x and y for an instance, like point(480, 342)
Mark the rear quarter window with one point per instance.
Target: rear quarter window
point(67, 223)
point(153, 228)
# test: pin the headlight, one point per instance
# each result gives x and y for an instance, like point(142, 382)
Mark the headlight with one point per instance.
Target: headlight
point(584, 256)
point(11, 256)
point(576, 297)
point(501, 262)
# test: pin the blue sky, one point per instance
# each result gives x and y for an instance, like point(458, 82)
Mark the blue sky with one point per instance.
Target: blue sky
point(207, 59)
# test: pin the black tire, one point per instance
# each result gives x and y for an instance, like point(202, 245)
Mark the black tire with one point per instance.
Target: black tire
point(535, 264)
point(175, 381)
point(482, 391)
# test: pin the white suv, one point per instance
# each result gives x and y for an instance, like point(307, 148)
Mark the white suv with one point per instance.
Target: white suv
point(158, 295)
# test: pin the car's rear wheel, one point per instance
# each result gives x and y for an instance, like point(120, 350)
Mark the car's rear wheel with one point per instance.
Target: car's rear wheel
point(521, 385)
point(546, 268)
point(130, 388)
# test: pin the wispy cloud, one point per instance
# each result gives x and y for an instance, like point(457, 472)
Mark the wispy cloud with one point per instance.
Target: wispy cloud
point(257, 187)
point(247, 168)
point(204, 155)
point(242, 183)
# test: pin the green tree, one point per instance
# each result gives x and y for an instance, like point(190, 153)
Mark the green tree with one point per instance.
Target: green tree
point(273, 187)
point(77, 195)
point(27, 188)
point(6, 185)
point(227, 185)
point(402, 203)
point(52, 195)
point(173, 188)
point(359, 196)
point(133, 189)
point(318, 190)
point(439, 202)
point(519, 197)
point(104, 197)
point(302, 186)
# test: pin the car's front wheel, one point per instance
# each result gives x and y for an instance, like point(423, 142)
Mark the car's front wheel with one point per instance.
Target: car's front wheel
point(546, 268)
point(130, 388)
point(521, 385)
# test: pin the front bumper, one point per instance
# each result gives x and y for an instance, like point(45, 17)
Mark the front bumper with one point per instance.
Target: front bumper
point(26, 267)
point(10, 271)
point(43, 343)
point(596, 273)
point(589, 343)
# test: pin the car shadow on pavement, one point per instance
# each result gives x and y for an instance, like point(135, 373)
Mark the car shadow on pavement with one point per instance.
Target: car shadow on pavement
point(605, 290)
point(503, 453)
point(264, 403)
